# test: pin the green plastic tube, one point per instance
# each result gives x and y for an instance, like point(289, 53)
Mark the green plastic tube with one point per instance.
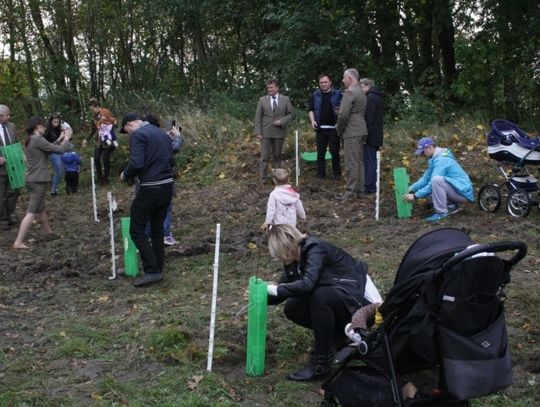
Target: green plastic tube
point(131, 263)
point(401, 187)
point(15, 165)
point(256, 332)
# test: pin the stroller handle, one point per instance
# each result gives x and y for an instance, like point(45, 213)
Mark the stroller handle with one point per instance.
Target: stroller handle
point(521, 248)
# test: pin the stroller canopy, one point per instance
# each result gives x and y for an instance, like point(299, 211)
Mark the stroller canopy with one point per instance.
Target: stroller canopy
point(426, 254)
point(507, 142)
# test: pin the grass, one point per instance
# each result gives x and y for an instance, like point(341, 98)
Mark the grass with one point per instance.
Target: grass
point(90, 341)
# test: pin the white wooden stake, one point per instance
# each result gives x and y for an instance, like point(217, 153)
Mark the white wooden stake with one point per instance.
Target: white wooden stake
point(378, 185)
point(214, 300)
point(297, 161)
point(112, 204)
point(94, 202)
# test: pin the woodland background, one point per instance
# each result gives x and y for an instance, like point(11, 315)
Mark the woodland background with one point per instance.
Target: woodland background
point(433, 58)
point(69, 336)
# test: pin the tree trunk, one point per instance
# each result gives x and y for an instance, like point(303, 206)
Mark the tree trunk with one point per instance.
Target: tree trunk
point(57, 65)
point(387, 20)
point(444, 26)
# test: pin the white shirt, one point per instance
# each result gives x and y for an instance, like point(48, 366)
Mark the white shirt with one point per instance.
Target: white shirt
point(5, 137)
point(272, 100)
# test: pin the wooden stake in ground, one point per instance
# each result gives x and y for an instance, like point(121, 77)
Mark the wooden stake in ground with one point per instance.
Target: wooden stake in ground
point(378, 195)
point(214, 300)
point(112, 205)
point(94, 202)
point(297, 158)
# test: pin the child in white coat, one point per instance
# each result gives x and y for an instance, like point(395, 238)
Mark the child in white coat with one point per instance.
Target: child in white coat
point(284, 204)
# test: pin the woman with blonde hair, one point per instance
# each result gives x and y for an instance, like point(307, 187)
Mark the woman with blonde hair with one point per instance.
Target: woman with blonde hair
point(323, 287)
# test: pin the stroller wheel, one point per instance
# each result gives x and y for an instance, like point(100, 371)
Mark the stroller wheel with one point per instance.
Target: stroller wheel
point(519, 203)
point(489, 198)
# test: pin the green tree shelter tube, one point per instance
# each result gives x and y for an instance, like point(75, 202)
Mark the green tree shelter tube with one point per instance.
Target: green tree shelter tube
point(15, 166)
point(257, 315)
point(401, 187)
point(131, 263)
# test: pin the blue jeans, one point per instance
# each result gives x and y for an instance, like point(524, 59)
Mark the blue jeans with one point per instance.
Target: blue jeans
point(150, 205)
point(56, 161)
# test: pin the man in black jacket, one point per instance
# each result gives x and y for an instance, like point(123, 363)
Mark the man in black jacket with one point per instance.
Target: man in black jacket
point(150, 160)
point(374, 122)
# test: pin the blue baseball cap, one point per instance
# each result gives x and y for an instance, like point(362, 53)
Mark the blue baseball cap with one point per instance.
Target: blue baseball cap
point(423, 143)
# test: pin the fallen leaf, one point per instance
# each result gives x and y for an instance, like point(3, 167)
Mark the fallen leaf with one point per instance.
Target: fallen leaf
point(194, 381)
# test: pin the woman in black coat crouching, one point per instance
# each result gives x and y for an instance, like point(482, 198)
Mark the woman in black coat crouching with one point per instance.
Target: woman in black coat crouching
point(323, 287)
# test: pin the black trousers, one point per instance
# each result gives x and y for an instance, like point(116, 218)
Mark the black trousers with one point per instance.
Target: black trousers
point(103, 152)
point(325, 313)
point(327, 138)
point(370, 167)
point(150, 205)
point(8, 200)
point(72, 181)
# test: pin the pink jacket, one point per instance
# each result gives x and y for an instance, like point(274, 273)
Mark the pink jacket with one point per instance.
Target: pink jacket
point(284, 205)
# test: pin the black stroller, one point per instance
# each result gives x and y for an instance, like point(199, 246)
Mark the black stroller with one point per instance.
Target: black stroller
point(444, 319)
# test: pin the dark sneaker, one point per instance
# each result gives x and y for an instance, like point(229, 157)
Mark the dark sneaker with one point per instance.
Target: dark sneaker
point(148, 279)
point(453, 209)
point(13, 219)
point(346, 196)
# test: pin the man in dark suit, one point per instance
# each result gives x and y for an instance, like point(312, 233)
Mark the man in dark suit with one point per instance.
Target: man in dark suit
point(8, 196)
point(274, 111)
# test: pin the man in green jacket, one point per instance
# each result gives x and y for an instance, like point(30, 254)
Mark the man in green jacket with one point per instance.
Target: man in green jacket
point(351, 127)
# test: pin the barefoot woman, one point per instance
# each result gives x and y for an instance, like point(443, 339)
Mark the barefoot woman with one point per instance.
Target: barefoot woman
point(37, 176)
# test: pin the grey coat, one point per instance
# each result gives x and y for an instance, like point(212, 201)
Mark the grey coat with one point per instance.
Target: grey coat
point(37, 157)
point(265, 117)
point(350, 121)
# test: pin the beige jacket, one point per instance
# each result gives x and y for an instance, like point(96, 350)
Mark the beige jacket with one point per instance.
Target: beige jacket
point(350, 121)
point(265, 117)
